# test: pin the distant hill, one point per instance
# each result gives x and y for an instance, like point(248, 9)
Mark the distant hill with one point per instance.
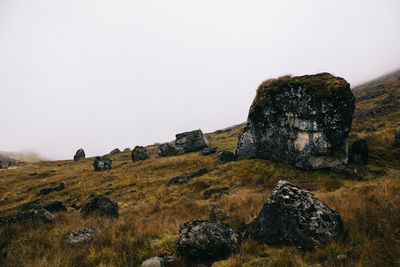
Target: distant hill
point(23, 156)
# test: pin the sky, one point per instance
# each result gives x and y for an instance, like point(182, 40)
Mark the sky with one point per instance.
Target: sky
point(105, 74)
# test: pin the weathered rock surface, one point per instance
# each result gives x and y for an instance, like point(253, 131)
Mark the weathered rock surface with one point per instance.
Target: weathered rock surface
point(225, 156)
point(359, 152)
point(303, 120)
point(206, 242)
point(80, 154)
point(182, 179)
point(102, 164)
point(217, 214)
point(46, 216)
point(83, 235)
point(190, 141)
point(51, 206)
point(48, 190)
point(209, 151)
point(140, 153)
point(397, 139)
point(114, 151)
point(165, 150)
point(292, 216)
point(103, 205)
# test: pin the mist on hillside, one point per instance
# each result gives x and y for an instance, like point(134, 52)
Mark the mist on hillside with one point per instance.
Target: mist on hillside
point(114, 74)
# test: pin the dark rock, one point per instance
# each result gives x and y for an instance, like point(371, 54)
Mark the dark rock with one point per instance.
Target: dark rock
point(51, 206)
point(102, 205)
point(165, 150)
point(359, 152)
point(21, 216)
point(370, 129)
point(33, 174)
point(84, 235)
point(181, 179)
point(215, 192)
point(140, 153)
point(302, 120)
point(102, 164)
point(225, 156)
point(397, 139)
point(48, 190)
point(4, 165)
point(46, 216)
point(292, 216)
point(206, 242)
point(190, 142)
point(217, 214)
point(209, 151)
point(80, 154)
point(114, 151)
point(127, 149)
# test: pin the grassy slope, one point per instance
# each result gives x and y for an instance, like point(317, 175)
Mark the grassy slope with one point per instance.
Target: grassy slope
point(366, 196)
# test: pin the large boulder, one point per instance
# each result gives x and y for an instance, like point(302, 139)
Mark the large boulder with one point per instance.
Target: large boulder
point(102, 164)
point(206, 242)
point(102, 205)
point(359, 152)
point(397, 139)
point(303, 120)
point(292, 216)
point(190, 141)
point(83, 235)
point(140, 153)
point(80, 154)
point(165, 150)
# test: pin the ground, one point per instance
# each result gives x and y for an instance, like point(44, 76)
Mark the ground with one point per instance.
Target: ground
point(368, 197)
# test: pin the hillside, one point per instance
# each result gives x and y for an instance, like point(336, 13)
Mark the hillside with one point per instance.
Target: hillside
point(151, 212)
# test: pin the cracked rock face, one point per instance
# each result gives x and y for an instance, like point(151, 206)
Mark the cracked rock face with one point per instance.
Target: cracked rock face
point(206, 242)
point(303, 120)
point(190, 142)
point(292, 216)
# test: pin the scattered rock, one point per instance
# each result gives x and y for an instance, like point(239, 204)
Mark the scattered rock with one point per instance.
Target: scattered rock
point(114, 151)
point(84, 235)
point(359, 152)
point(341, 257)
point(153, 262)
point(165, 150)
point(397, 139)
point(215, 192)
point(33, 174)
point(48, 190)
point(127, 149)
point(140, 153)
point(370, 129)
point(181, 179)
point(303, 120)
point(190, 142)
point(209, 151)
point(21, 216)
point(51, 206)
point(353, 134)
point(292, 216)
point(217, 214)
point(46, 216)
point(80, 154)
point(102, 205)
point(102, 164)
point(225, 156)
point(206, 242)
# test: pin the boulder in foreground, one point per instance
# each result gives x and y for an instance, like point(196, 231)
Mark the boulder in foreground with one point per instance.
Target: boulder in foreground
point(303, 120)
point(292, 216)
point(190, 141)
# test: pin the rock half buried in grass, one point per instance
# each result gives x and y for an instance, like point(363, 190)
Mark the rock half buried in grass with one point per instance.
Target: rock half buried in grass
point(83, 235)
point(48, 190)
point(140, 153)
point(182, 179)
point(102, 205)
point(292, 216)
point(206, 242)
point(303, 120)
point(102, 164)
point(51, 206)
point(190, 142)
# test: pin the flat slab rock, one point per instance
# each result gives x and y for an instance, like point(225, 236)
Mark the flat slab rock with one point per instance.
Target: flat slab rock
point(292, 216)
point(83, 235)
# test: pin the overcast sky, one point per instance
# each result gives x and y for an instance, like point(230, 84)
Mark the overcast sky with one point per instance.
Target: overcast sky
point(104, 74)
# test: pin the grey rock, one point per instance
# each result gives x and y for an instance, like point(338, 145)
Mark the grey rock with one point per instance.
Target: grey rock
point(190, 142)
point(83, 235)
point(80, 154)
point(51, 206)
point(225, 156)
point(48, 190)
point(165, 150)
point(302, 120)
point(341, 257)
point(209, 151)
point(359, 152)
point(140, 153)
point(153, 262)
point(397, 139)
point(46, 216)
point(182, 179)
point(217, 214)
point(292, 216)
point(21, 216)
point(114, 152)
point(102, 164)
point(103, 205)
point(206, 242)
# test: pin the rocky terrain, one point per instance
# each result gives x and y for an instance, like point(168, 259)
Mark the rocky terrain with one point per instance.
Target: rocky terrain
point(201, 205)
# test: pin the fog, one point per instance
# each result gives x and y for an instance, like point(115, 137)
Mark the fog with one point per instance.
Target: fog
point(105, 74)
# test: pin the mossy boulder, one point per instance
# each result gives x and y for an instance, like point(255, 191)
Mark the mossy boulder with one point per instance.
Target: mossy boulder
point(304, 120)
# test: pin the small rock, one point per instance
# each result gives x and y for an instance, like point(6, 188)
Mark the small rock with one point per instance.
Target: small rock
point(114, 151)
point(102, 164)
point(46, 216)
point(359, 152)
point(182, 179)
point(153, 262)
point(48, 190)
point(217, 214)
point(127, 149)
point(341, 257)
point(370, 129)
point(225, 156)
point(190, 142)
point(208, 151)
point(103, 205)
point(80, 154)
point(140, 153)
point(165, 150)
point(353, 134)
point(33, 174)
point(83, 235)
